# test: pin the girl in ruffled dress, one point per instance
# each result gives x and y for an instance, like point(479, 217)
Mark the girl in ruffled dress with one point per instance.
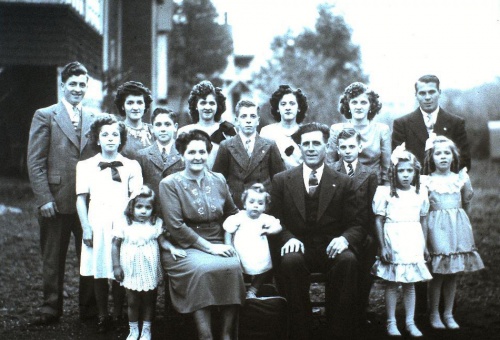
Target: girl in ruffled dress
point(450, 238)
point(401, 211)
point(248, 231)
point(136, 259)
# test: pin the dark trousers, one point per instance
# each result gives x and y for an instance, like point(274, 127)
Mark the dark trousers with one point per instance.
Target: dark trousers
point(340, 290)
point(55, 234)
point(367, 260)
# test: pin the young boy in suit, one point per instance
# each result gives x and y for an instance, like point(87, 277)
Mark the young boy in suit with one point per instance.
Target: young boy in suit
point(161, 158)
point(247, 158)
point(365, 184)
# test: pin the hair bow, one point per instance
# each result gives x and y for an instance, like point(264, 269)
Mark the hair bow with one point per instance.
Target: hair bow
point(429, 143)
point(399, 153)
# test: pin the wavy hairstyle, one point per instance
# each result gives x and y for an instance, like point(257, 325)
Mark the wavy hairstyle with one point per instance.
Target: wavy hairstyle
point(430, 166)
point(258, 188)
point(405, 156)
point(145, 193)
point(301, 102)
point(354, 90)
point(201, 91)
point(166, 111)
point(185, 138)
point(74, 68)
point(311, 127)
point(132, 88)
point(98, 123)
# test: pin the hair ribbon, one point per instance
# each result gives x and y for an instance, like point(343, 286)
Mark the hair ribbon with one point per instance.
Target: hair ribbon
point(399, 153)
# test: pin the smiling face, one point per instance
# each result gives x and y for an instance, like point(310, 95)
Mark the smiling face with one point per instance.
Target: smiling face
point(360, 106)
point(442, 157)
point(313, 148)
point(255, 203)
point(248, 120)
point(405, 174)
point(164, 129)
point(195, 157)
point(349, 149)
point(207, 107)
point(74, 89)
point(109, 138)
point(288, 107)
point(428, 96)
point(134, 107)
point(143, 209)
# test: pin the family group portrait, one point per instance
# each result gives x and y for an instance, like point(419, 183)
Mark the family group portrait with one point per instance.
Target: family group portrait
point(235, 169)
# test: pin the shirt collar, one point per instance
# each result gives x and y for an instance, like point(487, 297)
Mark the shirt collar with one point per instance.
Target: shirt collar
point(354, 164)
point(69, 107)
point(433, 114)
point(306, 172)
point(244, 138)
point(167, 147)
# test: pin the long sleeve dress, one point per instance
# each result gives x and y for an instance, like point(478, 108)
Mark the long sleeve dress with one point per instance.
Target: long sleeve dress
point(191, 211)
point(376, 143)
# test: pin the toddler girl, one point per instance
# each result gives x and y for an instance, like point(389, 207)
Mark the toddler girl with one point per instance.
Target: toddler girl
point(136, 259)
point(450, 238)
point(401, 210)
point(248, 231)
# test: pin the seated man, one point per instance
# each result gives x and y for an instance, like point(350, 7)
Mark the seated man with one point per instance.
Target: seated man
point(322, 232)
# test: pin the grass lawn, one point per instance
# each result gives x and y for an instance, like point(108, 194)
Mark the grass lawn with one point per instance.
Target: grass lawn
point(478, 296)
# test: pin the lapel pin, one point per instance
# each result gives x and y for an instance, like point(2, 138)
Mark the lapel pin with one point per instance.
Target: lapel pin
point(333, 185)
point(444, 129)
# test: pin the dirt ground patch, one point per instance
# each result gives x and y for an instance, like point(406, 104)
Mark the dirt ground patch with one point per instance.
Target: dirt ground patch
point(478, 297)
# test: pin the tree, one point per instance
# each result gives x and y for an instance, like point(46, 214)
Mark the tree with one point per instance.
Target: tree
point(322, 62)
point(199, 46)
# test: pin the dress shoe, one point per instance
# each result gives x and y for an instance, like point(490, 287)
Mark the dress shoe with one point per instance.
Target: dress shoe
point(392, 329)
point(450, 322)
point(413, 331)
point(45, 319)
point(436, 323)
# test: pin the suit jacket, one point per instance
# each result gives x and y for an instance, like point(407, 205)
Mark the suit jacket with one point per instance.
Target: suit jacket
point(242, 171)
point(411, 129)
point(54, 148)
point(337, 212)
point(365, 184)
point(153, 167)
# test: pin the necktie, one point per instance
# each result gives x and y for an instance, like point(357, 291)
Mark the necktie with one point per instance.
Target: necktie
point(313, 183)
point(247, 147)
point(428, 122)
point(115, 175)
point(350, 169)
point(75, 117)
point(164, 154)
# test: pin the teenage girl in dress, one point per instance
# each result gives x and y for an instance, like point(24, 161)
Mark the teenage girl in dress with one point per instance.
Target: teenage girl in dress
point(248, 231)
point(136, 259)
point(400, 221)
point(450, 238)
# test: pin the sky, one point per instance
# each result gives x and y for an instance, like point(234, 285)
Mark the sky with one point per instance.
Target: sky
point(400, 40)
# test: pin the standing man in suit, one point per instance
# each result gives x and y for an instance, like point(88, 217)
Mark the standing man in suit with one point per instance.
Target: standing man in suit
point(322, 232)
point(161, 158)
point(247, 158)
point(365, 184)
point(57, 142)
point(414, 128)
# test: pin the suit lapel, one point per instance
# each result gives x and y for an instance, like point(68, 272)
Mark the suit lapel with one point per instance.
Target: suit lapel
point(296, 187)
point(87, 119)
point(237, 150)
point(327, 189)
point(259, 151)
point(360, 175)
point(339, 166)
point(61, 117)
point(441, 126)
point(173, 157)
point(155, 156)
point(418, 125)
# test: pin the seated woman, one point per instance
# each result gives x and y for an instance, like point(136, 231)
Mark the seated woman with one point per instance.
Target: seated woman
point(360, 105)
point(288, 108)
point(195, 202)
point(206, 106)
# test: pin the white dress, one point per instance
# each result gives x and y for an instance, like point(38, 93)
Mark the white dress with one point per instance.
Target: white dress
point(139, 254)
point(108, 200)
point(251, 246)
point(403, 234)
point(284, 141)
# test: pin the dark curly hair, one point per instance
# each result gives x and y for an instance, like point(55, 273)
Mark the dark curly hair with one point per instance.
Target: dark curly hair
point(393, 170)
point(354, 90)
point(145, 193)
point(430, 166)
point(259, 188)
point(311, 127)
point(201, 91)
point(185, 138)
point(73, 69)
point(98, 123)
point(132, 88)
point(301, 102)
